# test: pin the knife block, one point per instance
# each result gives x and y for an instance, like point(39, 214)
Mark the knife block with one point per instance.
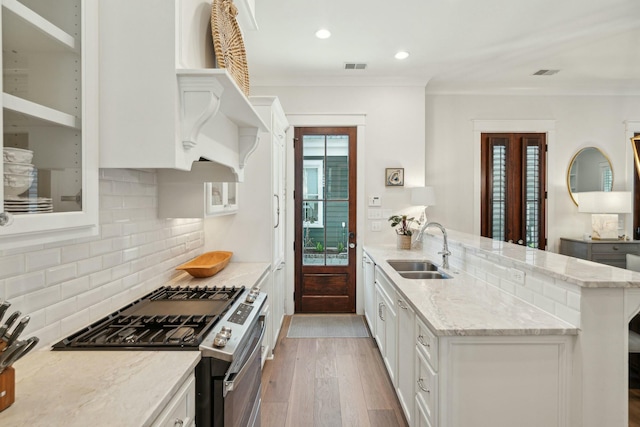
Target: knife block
point(7, 388)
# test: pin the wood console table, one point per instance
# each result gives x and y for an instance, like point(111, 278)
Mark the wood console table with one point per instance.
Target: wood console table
point(610, 252)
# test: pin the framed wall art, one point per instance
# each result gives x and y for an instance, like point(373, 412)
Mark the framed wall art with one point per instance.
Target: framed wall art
point(394, 177)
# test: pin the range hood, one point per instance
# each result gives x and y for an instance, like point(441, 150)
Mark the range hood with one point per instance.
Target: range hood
point(212, 120)
point(163, 105)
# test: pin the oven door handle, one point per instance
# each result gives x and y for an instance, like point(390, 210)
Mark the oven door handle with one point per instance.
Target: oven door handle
point(231, 377)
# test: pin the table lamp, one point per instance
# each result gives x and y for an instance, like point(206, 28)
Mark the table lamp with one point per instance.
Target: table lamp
point(423, 196)
point(604, 207)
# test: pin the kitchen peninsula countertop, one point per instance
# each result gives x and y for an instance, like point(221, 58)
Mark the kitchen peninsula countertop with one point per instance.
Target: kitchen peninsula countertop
point(109, 388)
point(464, 305)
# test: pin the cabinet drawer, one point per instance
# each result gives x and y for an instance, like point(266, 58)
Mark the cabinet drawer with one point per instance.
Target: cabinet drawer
point(426, 388)
point(614, 248)
point(182, 407)
point(427, 343)
point(386, 286)
point(421, 416)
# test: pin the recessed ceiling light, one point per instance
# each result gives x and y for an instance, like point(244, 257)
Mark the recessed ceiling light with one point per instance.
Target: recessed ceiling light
point(323, 33)
point(402, 55)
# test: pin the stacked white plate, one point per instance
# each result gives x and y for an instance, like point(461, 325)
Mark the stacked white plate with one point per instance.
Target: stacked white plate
point(18, 171)
point(20, 205)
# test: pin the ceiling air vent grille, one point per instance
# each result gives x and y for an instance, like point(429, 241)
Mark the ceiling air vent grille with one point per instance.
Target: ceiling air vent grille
point(545, 72)
point(354, 66)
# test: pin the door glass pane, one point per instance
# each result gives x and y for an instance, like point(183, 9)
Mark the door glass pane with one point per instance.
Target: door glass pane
point(498, 192)
point(532, 186)
point(337, 234)
point(337, 167)
point(313, 233)
point(325, 195)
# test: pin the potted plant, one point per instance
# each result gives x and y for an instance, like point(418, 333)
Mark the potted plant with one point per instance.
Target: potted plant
point(402, 224)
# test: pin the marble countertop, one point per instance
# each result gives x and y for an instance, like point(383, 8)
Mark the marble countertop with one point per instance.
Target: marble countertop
point(586, 274)
point(109, 388)
point(464, 305)
point(96, 388)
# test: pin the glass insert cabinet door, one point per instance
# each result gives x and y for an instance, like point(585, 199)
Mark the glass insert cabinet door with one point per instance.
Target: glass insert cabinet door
point(42, 131)
point(49, 115)
point(325, 194)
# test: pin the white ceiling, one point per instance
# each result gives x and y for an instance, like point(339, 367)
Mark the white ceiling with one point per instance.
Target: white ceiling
point(469, 46)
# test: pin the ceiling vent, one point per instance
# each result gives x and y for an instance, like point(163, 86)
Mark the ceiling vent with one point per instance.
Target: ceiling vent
point(354, 66)
point(545, 72)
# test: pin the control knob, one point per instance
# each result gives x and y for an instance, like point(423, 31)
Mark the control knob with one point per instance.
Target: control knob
point(222, 337)
point(252, 295)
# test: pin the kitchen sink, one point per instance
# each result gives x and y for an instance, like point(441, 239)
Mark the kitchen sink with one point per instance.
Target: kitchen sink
point(424, 275)
point(417, 269)
point(412, 265)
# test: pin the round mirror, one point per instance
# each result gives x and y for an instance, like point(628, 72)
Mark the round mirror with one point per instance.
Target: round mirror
point(589, 170)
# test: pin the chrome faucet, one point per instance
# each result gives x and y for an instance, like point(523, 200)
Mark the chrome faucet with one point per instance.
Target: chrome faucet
point(445, 247)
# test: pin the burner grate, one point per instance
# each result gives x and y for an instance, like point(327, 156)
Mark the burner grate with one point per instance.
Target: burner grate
point(167, 318)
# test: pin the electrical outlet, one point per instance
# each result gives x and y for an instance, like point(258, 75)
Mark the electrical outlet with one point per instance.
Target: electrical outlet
point(516, 276)
point(376, 226)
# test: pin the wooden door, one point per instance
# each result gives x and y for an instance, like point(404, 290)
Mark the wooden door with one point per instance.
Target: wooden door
point(514, 188)
point(325, 220)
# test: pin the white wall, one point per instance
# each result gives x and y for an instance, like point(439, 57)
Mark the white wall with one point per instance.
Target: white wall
point(394, 128)
point(580, 121)
point(68, 285)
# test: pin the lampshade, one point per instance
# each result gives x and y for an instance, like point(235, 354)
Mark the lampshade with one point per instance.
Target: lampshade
point(423, 196)
point(605, 202)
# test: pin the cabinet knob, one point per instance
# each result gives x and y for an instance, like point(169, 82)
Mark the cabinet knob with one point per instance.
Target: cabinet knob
point(178, 423)
point(6, 219)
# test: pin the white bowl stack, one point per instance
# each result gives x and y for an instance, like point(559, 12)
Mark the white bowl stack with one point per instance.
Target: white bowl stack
point(18, 170)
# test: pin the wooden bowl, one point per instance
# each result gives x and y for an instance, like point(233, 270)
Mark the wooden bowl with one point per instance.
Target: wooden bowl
point(207, 264)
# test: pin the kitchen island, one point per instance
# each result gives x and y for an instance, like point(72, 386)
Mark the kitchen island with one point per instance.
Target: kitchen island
point(516, 336)
point(114, 388)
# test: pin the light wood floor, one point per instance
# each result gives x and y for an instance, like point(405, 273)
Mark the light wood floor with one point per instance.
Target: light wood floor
point(332, 382)
point(634, 407)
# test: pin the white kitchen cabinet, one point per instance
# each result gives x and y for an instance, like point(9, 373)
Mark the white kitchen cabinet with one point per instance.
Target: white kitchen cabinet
point(50, 106)
point(405, 387)
point(426, 384)
point(181, 409)
point(163, 105)
point(369, 292)
point(267, 179)
point(221, 198)
point(386, 324)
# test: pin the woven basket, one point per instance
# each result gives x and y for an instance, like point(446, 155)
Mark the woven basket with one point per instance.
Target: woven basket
point(228, 43)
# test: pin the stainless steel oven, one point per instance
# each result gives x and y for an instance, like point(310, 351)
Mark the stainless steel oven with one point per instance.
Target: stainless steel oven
point(228, 392)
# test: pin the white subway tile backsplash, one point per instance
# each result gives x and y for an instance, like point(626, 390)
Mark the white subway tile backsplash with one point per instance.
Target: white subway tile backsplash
point(544, 303)
point(67, 286)
point(99, 278)
point(12, 265)
point(24, 284)
point(555, 293)
point(567, 314)
point(524, 294)
point(41, 299)
point(111, 259)
point(60, 310)
point(75, 252)
point(573, 300)
point(508, 286)
point(60, 273)
point(42, 259)
point(74, 287)
point(100, 247)
point(90, 265)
